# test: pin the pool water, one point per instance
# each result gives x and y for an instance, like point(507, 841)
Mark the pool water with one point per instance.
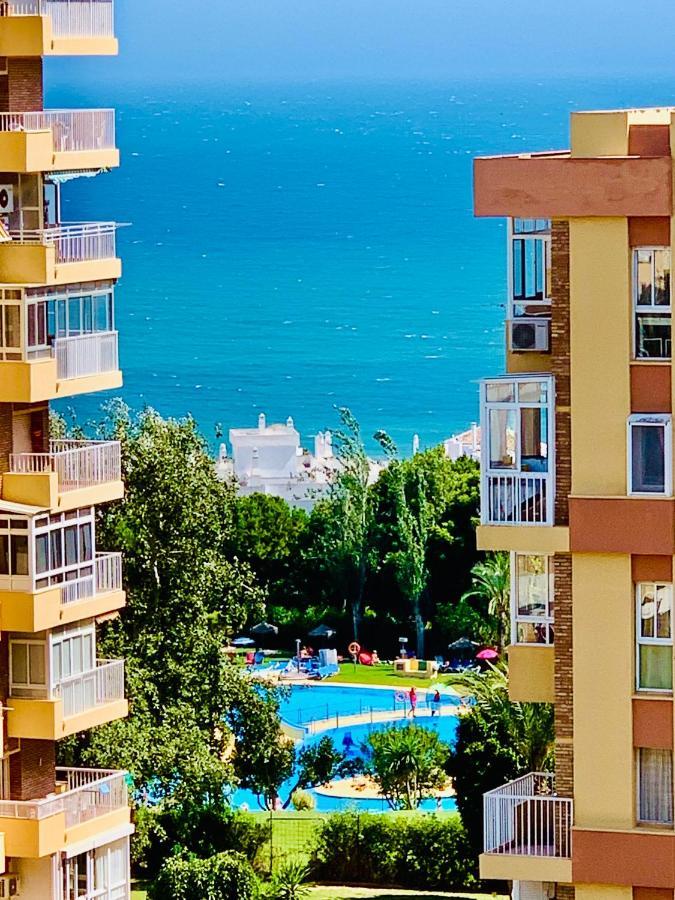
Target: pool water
point(308, 703)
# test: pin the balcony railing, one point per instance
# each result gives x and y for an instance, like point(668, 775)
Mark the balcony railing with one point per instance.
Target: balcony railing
point(89, 793)
point(527, 818)
point(75, 241)
point(73, 130)
point(107, 578)
point(78, 464)
point(85, 691)
point(514, 498)
point(70, 18)
point(86, 354)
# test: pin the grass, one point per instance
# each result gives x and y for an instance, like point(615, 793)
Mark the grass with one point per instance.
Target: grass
point(346, 893)
point(380, 674)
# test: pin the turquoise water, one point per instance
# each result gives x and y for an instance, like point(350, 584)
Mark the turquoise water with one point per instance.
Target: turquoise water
point(297, 247)
point(308, 702)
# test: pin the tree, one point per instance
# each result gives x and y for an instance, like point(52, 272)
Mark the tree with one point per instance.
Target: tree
point(497, 740)
point(492, 584)
point(409, 559)
point(408, 764)
point(185, 597)
point(346, 537)
point(320, 763)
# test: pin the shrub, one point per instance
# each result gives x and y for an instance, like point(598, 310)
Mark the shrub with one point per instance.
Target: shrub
point(302, 800)
point(225, 876)
point(194, 829)
point(422, 852)
point(290, 881)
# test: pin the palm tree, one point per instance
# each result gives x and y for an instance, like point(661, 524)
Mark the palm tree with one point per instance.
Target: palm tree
point(492, 584)
point(530, 726)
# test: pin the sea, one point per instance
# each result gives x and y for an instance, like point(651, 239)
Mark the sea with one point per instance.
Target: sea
point(291, 249)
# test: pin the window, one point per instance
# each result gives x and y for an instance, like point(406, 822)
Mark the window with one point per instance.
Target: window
point(655, 786)
point(532, 593)
point(649, 452)
point(27, 668)
point(101, 873)
point(518, 425)
point(64, 547)
point(530, 262)
point(654, 632)
point(651, 302)
point(13, 547)
point(67, 314)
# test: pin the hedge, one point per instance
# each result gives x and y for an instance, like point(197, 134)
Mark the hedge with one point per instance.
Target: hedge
point(225, 876)
point(423, 852)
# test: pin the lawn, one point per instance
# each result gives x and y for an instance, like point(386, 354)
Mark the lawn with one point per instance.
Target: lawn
point(346, 893)
point(380, 674)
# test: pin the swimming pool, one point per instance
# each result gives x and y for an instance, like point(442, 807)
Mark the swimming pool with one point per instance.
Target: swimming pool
point(309, 703)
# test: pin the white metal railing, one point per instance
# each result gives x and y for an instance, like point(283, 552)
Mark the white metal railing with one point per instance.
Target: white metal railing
point(89, 793)
point(104, 684)
point(526, 818)
point(72, 129)
point(86, 354)
point(78, 464)
point(106, 578)
point(74, 241)
point(518, 498)
point(70, 18)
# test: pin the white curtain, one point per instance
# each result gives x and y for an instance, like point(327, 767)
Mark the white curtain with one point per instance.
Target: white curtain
point(656, 786)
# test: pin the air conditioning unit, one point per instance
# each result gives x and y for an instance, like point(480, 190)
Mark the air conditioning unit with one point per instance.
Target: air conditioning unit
point(530, 334)
point(6, 198)
point(9, 885)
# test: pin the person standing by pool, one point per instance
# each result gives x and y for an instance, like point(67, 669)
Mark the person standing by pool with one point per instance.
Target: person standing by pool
point(436, 703)
point(413, 700)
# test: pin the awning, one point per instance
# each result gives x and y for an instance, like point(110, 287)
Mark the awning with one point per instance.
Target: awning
point(71, 174)
point(21, 509)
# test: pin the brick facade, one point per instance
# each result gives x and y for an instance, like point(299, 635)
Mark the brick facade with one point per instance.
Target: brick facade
point(560, 363)
point(32, 771)
point(21, 89)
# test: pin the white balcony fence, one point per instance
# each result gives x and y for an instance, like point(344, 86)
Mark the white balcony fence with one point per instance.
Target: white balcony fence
point(526, 818)
point(70, 18)
point(75, 241)
point(516, 498)
point(72, 130)
point(85, 691)
point(89, 793)
point(86, 354)
point(107, 577)
point(78, 464)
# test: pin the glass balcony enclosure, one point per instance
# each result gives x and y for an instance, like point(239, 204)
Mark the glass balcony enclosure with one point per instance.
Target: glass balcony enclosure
point(57, 550)
point(531, 599)
point(517, 451)
point(74, 324)
point(529, 284)
point(652, 302)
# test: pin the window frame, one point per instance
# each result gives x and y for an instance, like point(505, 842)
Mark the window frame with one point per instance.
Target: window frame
point(651, 420)
point(651, 309)
point(651, 823)
point(31, 689)
point(547, 620)
point(641, 641)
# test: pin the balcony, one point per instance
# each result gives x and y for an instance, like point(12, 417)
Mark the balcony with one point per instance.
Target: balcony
point(517, 450)
point(57, 28)
point(76, 704)
point(60, 139)
point(527, 831)
point(85, 803)
point(82, 598)
point(62, 254)
point(71, 475)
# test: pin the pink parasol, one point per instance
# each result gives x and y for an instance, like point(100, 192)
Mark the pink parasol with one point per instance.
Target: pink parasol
point(488, 653)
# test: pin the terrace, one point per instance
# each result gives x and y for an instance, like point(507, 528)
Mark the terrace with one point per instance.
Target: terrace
point(58, 27)
point(53, 140)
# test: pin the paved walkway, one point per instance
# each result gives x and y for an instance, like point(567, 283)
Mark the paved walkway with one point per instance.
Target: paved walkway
point(374, 716)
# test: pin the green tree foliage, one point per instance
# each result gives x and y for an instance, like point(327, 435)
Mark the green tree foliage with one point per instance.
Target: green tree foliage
point(320, 763)
point(185, 597)
point(408, 764)
point(491, 585)
point(497, 740)
point(226, 876)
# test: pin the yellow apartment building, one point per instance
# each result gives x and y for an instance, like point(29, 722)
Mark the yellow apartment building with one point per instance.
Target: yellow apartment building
point(64, 833)
point(577, 484)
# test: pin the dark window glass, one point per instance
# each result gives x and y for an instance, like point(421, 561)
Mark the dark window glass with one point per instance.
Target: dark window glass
point(649, 462)
point(70, 536)
point(4, 554)
point(19, 547)
point(85, 542)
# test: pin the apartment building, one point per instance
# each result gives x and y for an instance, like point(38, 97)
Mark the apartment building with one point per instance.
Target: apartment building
point(64, 833)
point(577, 460)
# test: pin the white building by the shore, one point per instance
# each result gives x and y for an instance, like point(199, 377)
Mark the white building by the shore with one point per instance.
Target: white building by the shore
point(466, 443)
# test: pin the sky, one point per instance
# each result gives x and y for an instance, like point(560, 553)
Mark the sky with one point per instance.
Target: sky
point(173, 41)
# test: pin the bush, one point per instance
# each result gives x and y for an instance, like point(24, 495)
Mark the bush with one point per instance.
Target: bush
point(225, 876)
point(302, 800)
point(193, 829)
point(422, 852)
point(290, 881)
